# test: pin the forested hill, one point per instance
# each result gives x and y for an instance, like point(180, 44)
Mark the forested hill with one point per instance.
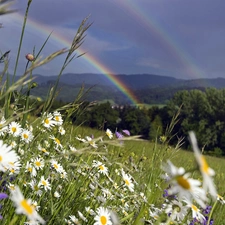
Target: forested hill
point(149, 89)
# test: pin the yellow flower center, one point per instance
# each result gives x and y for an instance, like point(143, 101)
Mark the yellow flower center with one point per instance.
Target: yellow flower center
point(37, 163)
point(0, 158)
point(101, 167)
point(204, 167)
point(103, 220)
point(14, 129)
point(30, 169)
point(183, 182)
point(44, 183)
point(25, 136)
point(57, 118)
point(43, 150)
point(57, 141)
point(127, 182)
point(56, 166)
point(28, 208)
point(194, 208)
point(47, 121)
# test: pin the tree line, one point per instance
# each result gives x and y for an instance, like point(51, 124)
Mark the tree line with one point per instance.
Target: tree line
point(200, 111)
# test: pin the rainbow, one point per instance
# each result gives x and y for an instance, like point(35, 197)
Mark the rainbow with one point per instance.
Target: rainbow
point(92, 60)
point(152, 26)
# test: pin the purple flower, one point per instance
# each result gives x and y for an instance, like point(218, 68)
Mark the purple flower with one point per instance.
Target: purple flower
point(207, 209)
point(118, 135)
point(127, 132)
point(3, 195)
point(165, 193)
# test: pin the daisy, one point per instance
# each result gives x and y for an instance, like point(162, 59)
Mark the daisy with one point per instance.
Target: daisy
point(61, 130)
point(24, 206)
point(196, 214)
point(58, 118)
point(48, 121)
point(56, 141)
point(102, 168)
point(128, 181)
point(38, 163)
point(56, 166)
point(205, 170)
point(14, 167)
point(82, 216)
point(184, 186)
point(26, 136)
point(91, 142)
point(220, 198)
point(56, 194)
point(3, 127)
point(45, 183)
point(35, 187)
point(7, 156)
point(14, 129)
point(109, 133)
point(31, 169)
point(176, 210)
point(102, 217)
point(74, 219)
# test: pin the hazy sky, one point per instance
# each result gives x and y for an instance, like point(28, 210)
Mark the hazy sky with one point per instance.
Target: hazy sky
point(179, 38)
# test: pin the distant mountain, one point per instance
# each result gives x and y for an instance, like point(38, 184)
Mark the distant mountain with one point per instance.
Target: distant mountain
point(148, 88)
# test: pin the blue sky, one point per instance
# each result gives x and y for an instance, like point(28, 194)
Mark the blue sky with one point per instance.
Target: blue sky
point(179, 38)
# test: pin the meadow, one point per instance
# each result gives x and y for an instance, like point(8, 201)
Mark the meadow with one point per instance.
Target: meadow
point(53, 172)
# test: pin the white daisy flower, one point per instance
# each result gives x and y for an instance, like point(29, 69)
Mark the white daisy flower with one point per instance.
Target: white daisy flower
point(14, 167)
point(183, 186)
point(38, 163)
point(14, 129)
point(44, 183)
point(56, 141)
point(74, 220)
point(48, 121)
point(102, 168)
point(26, 136)
point(109, 133)
point(31, 169)
point(220, 198)
point(91, 142)
point(35, 187)
point(205, 170)
point(24, 206)
point(61, 130)
point(176, 210)
point(44, 150)
point(58, 118)
point(3, 127)
point(56, 166)
point(7, 157)
point(102, 217)
point(196, 214)
point(56, 194)
point(128, 181)
point(82, 216)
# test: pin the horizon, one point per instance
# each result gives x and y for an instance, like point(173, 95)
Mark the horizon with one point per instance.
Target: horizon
point(148, 37)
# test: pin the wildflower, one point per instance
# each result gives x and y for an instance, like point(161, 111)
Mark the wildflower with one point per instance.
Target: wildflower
point(205, 170)
point(109, 133)
point(35, 187)
point(48, 121)
point(45, 183)
point(127, 132)
point(82, 216)
point(44, 150)
point(176, 210)
point(7, 157)
point(184, 186)
point(56, 166)
point(102, 168)
point(31, 169)
point(91, 142)
point(220, 198)
point(80, 139)
point(74, 219)
point(14, 167)
point(102, 217)
point(13, 144)
point(24, 206)
point(118, 135)
point(14, 129)
point(58, 118)
point(30, 57)
point(2, 196)
point(128, 181)
point(38, 163)
point(11, 187)
point(26, 136)
point(196, 214)
point(3, 127)
point(61, 130)
point(56, 141)
point(56, 194)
